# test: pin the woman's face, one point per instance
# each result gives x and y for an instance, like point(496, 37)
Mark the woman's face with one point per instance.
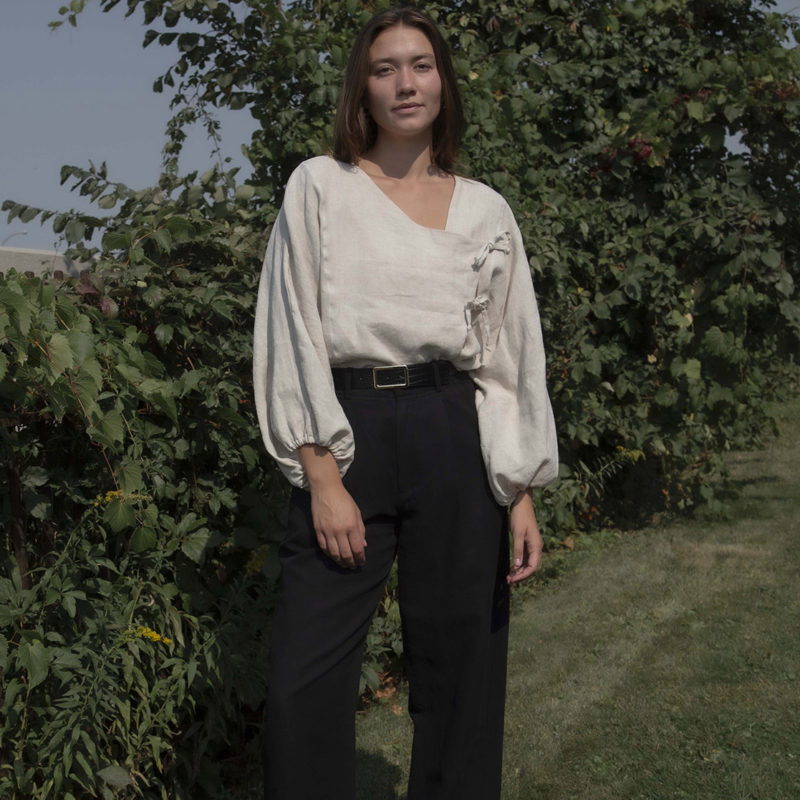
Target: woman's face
point(404, 90)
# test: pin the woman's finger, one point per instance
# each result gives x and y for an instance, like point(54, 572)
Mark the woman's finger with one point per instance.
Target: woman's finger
point(346, 558)
point(518, 574)
point(356, 543)
point(519, 550)
point(534, 550)
point(330, 547)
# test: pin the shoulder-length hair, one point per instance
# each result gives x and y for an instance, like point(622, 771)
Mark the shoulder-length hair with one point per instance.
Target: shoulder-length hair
point(355, 132)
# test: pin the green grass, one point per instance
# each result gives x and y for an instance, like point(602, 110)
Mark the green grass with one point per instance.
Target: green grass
point(664, 665)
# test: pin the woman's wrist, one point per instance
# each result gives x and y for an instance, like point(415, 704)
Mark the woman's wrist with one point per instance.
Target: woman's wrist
point(522, 495)
point(319, 465)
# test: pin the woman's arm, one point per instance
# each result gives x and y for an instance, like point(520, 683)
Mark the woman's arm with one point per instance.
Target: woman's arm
point(294, 395)
point(515, 418)
point(527, 548)
point(337, 519)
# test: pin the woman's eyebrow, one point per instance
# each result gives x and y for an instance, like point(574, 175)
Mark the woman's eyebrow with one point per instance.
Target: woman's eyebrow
point(393, 61)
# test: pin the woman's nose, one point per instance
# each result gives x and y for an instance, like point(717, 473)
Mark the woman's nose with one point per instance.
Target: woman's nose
point(405, 81)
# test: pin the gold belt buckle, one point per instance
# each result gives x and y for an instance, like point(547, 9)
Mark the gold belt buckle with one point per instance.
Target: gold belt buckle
point(402, 385)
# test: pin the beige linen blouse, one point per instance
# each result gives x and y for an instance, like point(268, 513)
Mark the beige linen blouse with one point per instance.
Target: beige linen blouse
point(350, 280)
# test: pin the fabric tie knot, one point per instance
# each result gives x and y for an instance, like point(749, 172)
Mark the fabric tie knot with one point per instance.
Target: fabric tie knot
point(500, 242)
point(480, 305)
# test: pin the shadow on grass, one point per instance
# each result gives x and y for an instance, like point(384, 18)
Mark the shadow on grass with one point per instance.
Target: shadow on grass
point(376, 777)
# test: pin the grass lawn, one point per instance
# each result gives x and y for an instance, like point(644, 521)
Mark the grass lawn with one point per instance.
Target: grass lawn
point(664, 665)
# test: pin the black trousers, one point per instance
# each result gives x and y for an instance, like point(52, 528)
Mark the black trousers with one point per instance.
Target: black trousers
point(420, 483)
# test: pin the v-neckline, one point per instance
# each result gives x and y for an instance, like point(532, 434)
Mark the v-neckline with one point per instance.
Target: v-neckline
point(450, 207)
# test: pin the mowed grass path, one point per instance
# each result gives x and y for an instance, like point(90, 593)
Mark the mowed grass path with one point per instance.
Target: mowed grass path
point(663, 666)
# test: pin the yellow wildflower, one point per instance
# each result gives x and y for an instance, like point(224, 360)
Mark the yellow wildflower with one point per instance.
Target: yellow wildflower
point(256, 560)
point(631, 456)
point(143, 632)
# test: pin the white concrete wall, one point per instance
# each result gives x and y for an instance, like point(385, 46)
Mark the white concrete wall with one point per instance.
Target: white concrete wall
point(40, 262)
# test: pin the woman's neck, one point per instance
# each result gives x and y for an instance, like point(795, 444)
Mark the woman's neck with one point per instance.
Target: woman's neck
point(405, 159)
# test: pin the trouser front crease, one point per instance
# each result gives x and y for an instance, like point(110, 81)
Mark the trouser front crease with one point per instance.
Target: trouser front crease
point(419, 481)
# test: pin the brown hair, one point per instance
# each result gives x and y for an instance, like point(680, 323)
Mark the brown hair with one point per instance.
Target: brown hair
point(355, 132)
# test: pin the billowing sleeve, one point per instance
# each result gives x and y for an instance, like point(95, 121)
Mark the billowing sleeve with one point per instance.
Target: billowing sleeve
point(515, 418)
point(294, 395)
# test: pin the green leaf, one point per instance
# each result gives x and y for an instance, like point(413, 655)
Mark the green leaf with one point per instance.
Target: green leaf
point(129, 478)
point(81, 343)
point(194, 544)
point(180, 228)
point(86, 385)
point(28, 214)
point(75, 231)
point(3, 653)
point(244, 192)
point(692, 369)
point(785, 283)
point(34, 476)
point(60, 352)
point(772, 258)
point(695, 110)
point(143, 539)
point(163, 238)
point(164, 334)
point(720, 394)
point(371, 676)
point(81, 759)
point(114, 240)
point(68, 604)
point(19, 307)
point(666, 396)
point(119, 515)
point(47, 295)
point(112, 427)
point(35, 659)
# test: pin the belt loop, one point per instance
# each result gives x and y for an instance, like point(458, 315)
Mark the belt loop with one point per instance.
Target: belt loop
point(437, 376)
point(348, 381)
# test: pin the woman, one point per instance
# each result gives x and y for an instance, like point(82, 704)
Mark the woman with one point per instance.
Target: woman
point(400, 385)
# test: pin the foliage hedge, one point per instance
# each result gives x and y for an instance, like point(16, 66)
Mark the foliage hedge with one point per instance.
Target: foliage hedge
point(139, 513)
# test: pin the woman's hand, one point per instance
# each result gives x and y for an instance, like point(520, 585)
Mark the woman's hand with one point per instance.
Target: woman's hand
point(527, 549)
point(338, 525)
point(337, 519)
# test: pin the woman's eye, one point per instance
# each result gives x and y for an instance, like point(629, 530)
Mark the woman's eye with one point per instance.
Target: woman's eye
point(424, 67)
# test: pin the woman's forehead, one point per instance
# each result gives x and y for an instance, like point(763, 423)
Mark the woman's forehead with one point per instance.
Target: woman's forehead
point(402, 40)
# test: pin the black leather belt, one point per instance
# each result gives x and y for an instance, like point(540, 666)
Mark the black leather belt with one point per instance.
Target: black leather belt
point(398, 376)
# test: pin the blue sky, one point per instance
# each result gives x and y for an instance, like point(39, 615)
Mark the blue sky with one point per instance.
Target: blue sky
point(78, 94)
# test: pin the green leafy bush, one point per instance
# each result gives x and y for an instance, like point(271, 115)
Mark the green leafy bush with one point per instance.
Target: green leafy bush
point(139, 566)
point(140, 514)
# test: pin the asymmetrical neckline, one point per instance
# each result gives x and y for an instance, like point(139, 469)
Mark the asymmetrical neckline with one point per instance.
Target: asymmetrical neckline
point(398, 210)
